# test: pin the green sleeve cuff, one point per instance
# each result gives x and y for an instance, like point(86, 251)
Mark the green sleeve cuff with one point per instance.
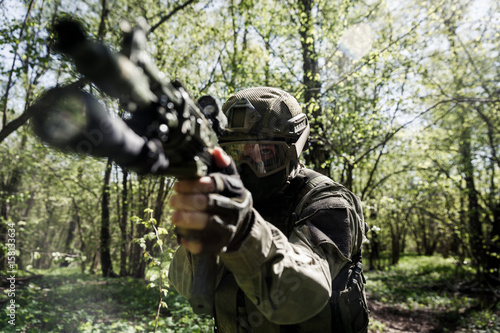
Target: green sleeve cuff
point(253, 251)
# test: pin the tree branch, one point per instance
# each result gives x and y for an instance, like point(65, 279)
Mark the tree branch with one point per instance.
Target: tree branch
point(169, 15)
point(9, 81)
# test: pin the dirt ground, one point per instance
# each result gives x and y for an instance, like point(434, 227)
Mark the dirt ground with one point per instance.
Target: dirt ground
point(398, 320)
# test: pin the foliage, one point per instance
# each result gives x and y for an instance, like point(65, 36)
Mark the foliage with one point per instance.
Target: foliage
point(160, 277)
point(69, 301)
point(425, 288)
point(64, 300)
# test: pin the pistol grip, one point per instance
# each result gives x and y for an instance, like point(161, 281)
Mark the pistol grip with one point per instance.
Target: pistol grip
point(204, 278)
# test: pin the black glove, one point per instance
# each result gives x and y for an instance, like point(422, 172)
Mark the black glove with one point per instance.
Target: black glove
point(231, 213)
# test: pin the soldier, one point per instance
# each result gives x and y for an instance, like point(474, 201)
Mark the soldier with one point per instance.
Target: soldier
point(289, 253)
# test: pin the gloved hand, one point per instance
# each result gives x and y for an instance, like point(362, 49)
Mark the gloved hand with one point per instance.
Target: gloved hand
point(213, 214)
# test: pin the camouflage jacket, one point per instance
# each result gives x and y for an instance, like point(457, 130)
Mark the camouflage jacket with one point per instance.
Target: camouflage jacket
point(280, 279)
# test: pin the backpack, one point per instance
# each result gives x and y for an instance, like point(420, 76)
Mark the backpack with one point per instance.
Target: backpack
point(349, 310)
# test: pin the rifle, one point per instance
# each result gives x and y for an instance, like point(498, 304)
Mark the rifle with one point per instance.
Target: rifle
point(167, 133)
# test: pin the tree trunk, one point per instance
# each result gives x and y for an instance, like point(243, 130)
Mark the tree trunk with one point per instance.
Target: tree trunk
point(139, 264)
point(69, 240)
point(106, 263)
point(4, 217)
point(395, 234)
point(317, 155)
point(124, 241)
point(374, 256)
point(136, 261)
point(395, 250)
point(493, 243)
point(473, 208)
point(8, 186)
point(493, 252)
point(349, 176)
point(162, 194)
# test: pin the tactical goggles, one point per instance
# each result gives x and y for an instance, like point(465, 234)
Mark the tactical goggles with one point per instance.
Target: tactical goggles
point(263, 157)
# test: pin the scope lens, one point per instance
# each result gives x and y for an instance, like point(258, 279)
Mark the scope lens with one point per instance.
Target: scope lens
point(65, 119)
point(61, 115)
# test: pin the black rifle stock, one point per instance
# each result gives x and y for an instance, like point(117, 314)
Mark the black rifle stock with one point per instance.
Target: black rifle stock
point(168, 133)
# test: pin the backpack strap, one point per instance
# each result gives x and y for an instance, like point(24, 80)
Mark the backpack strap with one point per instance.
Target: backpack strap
point(318, 183)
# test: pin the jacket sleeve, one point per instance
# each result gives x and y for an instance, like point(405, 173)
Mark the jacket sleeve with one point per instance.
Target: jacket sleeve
point(278, 274)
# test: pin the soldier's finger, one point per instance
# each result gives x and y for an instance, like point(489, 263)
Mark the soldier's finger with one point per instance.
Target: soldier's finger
point(222, 160)
point(190, 220)
point(198, 185)
point(189, 202)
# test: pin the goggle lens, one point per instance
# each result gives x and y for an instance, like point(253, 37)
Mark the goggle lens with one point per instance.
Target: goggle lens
point(264, 158)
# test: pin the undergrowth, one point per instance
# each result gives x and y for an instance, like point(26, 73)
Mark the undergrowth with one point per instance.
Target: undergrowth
point(65, 300)
point(427, 286)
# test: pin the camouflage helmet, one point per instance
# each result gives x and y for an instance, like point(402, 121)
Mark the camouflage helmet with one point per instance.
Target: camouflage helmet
point(261, 118)
point(265, 113)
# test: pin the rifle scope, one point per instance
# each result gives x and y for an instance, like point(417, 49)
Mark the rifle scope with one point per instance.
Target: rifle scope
point(73, 120)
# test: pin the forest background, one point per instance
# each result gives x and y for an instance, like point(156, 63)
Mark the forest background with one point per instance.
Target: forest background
point(403, 97)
